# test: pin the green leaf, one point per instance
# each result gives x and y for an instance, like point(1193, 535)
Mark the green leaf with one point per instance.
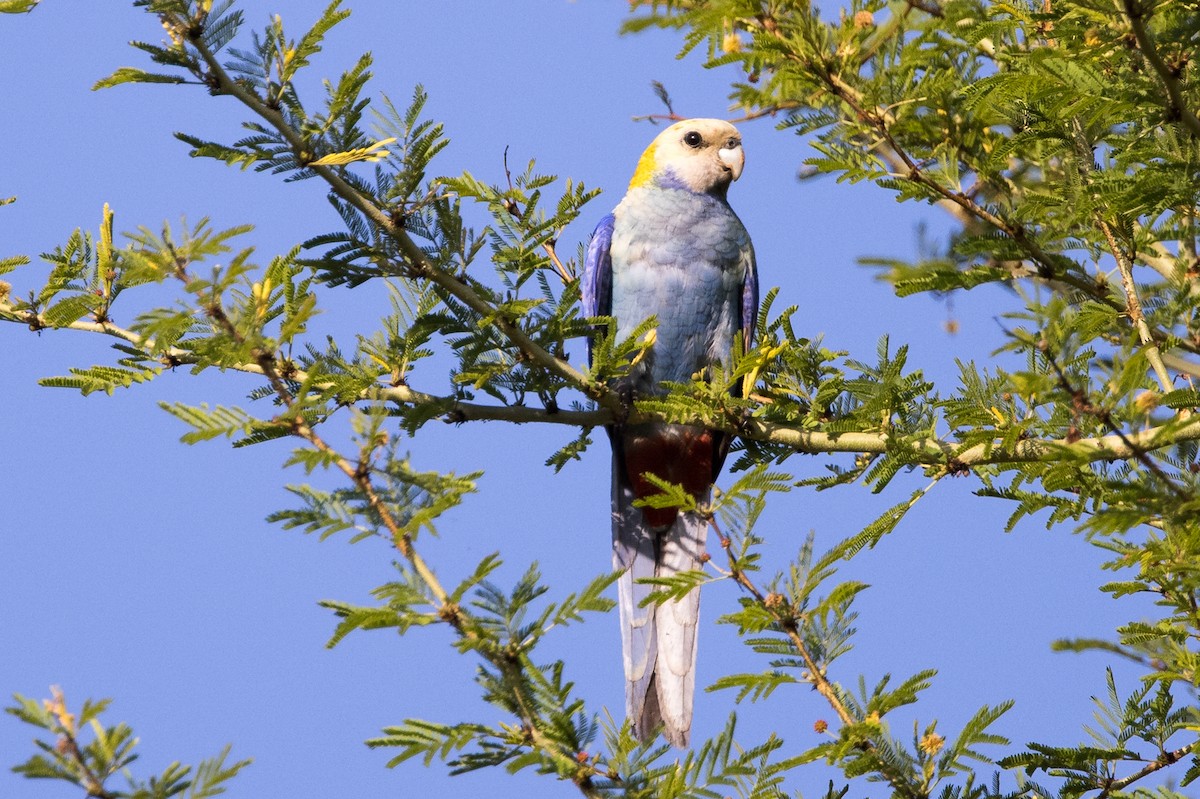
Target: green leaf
point(71, 309)
point(371, 153)
point(104, 378)
point(132, 75)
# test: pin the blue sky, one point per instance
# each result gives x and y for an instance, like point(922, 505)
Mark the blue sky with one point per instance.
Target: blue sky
point(135, 567)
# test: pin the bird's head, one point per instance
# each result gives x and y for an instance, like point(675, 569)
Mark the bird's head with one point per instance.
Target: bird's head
point(700, 155)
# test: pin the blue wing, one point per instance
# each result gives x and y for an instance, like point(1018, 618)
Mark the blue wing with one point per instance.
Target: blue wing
point(596, 283)
point(750, 301)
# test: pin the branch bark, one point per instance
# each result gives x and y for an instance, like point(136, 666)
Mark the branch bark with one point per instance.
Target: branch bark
point(420, 265)
point(1176, 103)
point(928, 450)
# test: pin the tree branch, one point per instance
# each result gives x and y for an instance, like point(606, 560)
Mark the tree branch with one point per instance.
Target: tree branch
point(1134, 306)
point(420, 265)
point(907, 168)
point(1166, 759)
point(449, 611)
point(929, 450)
point(1083, 404)
point(816, 674)
point(1170, 81)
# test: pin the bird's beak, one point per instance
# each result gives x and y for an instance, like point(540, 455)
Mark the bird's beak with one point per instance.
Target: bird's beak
point(733, 158)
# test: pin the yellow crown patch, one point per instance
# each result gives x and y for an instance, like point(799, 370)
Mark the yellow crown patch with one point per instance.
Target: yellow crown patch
point(647, 166)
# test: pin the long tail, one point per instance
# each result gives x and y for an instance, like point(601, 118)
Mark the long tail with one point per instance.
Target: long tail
point(659, 641)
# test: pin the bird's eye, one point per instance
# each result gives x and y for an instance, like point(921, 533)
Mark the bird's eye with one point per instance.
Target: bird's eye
point(732, 142)
point(693, 139)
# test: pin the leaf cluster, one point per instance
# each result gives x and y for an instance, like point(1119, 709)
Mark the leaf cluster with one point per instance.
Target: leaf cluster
point(89, 754)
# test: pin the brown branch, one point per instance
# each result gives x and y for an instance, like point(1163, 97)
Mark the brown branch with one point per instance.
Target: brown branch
point(360, 475)
point(928, 6)
point(880, 123)
point(1083, 404)
point(94, 786)
point(1176, 103)
point(547, 246)
point(816, 674)
point(671, 117)
point(1133, 305)
point(768, 111)
point(749, 116)
point(1164, 760)
point(816, 677)
point(419, 264)
point(930, 450)
point(68, 744)
point(267, 364)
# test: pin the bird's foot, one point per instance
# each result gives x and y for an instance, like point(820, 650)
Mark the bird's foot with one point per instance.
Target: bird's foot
point(627, 397)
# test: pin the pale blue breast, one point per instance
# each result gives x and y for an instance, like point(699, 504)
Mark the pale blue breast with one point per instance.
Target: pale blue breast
point(681, 257)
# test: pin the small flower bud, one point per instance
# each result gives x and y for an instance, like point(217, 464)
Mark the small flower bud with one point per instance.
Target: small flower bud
point(932, 743)
point(1146, 401)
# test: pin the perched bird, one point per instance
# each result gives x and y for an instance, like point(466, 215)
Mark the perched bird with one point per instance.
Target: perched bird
point(675, 250)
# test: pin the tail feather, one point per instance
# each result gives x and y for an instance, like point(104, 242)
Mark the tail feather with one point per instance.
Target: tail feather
point(659, 642)
point(677, 622)
point(634, 555)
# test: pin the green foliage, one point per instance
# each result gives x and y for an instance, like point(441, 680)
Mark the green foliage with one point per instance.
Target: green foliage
point(1062, 138)
point(88, 754)
point(1148, 716)
point(411, 500)
point(104, 378)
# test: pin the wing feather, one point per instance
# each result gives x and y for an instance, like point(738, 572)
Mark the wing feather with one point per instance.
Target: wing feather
point(749, 297)
point(596, 283)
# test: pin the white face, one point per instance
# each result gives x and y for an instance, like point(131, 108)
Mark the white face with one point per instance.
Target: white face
point(704, 154)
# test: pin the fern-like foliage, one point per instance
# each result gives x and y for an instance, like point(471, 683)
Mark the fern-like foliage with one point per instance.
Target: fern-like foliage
point(90, 754)
point(1062, 138)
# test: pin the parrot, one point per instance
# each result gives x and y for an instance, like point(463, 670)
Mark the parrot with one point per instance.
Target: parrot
point(673, 249)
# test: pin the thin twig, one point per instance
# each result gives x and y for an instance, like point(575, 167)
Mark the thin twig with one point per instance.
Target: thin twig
point(1176, 102)
point(1084, 404)
point(1164, 760)
point(672, 117)
point(816, 675)
point(1134, 307)
point(68, 742)
point(928, 6)
point(548, 245)
point(420, 265)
